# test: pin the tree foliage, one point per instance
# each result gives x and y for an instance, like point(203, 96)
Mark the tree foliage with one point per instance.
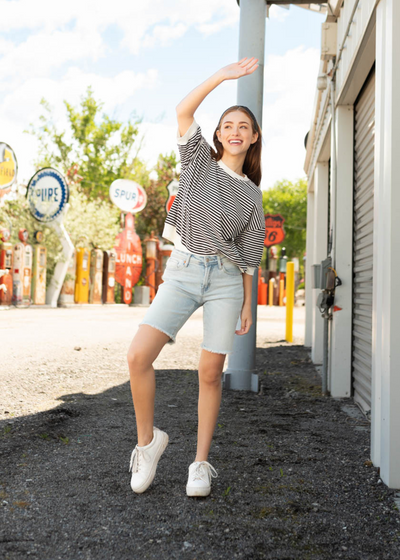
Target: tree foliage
point(95, 149)
point(92, 152)
point(153, 216)
point(290, 200)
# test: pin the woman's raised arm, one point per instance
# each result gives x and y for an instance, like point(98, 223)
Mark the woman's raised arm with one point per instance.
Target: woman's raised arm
point(187, 107)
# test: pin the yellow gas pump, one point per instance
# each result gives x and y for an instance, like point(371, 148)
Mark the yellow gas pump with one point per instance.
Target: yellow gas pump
point(39, 271)
point(68, 287)
point(82, 275)
point(22, 270)
point(6, 259)
point(109, 258)
point(96, 276)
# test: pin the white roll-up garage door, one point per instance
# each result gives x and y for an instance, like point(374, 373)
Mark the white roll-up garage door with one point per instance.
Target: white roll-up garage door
point(363, 243)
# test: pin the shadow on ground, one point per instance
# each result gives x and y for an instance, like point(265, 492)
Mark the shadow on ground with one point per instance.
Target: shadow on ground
point(294, 478)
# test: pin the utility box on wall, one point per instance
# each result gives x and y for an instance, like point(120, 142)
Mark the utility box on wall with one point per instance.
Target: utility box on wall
point(328, 40)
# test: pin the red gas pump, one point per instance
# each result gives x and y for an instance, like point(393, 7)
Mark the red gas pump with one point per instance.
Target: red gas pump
point(22, 270)
point(6, 260)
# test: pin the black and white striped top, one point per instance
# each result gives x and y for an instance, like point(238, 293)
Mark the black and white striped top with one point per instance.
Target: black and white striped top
point(216, 211)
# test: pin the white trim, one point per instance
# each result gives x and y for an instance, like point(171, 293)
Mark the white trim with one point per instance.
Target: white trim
point(321, 183)
point(387, 327)
point(231, 172)
point(309, 270)
point(191, 131)
point(341, 332)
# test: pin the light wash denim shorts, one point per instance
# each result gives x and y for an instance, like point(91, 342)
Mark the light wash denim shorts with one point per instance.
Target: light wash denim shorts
point(191, 281)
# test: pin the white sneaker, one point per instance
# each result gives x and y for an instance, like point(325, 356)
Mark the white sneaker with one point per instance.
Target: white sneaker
point(144, 461)
point(199, 481)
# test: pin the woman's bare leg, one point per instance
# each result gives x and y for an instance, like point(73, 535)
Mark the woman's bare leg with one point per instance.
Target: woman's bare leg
point(144, 349)
point(210, 390)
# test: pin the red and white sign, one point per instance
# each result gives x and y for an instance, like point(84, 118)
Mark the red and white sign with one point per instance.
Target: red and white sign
point(173, 188)
point(128, 264)
point(128, 195)
point(274, 232)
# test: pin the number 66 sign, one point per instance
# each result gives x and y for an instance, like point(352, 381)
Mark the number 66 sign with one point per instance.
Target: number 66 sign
point(274, 232)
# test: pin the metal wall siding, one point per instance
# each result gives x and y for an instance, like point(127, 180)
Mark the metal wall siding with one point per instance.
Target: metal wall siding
point(363, 243)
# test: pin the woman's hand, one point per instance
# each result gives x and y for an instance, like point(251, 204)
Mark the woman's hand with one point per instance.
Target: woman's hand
point(239, 69)
point(187, 107)
point(246, 319)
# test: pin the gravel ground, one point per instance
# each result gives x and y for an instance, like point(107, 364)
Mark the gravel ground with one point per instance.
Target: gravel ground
point(295, 481)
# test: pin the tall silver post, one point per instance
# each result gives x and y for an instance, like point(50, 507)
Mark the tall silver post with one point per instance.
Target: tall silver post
point(240, 374)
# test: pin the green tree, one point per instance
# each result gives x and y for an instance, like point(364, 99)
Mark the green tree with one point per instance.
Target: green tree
point(94, 150)
point(153, 216)
point(290, 200)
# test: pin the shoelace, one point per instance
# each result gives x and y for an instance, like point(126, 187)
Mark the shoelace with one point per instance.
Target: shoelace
point(199, 471)
point(137, 455)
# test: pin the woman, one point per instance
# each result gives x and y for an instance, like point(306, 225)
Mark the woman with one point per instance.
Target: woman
point(217, 226)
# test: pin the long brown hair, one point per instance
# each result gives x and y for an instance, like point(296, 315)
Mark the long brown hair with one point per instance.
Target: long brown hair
point(252, 162)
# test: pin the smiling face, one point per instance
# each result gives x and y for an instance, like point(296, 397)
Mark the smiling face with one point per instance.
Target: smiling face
point(236, 133)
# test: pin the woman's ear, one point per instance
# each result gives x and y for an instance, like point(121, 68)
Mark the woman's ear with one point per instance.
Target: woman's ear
point(254, 138)
point(218, 135)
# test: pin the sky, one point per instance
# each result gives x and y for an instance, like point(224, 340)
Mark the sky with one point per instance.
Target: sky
point(141, 58)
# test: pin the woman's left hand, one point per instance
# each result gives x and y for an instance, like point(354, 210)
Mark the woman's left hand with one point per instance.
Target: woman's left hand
point(246, 320)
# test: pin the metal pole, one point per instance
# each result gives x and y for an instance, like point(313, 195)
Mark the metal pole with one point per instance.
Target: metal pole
point(324, 387)
point(240, 374)
point(289, 300)
point(61, 269)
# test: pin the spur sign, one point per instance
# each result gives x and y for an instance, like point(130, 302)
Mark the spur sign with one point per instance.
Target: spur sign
point(128, 195)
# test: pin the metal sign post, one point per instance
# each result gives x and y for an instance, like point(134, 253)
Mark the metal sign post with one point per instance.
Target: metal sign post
point(241, 372)
point(131, 198)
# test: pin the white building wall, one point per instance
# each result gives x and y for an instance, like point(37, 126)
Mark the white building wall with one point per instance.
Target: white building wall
point(341, 331)
point(309, 271)
point(351, 42)
point(386, 350)
point(375, 26)
point(320, 218)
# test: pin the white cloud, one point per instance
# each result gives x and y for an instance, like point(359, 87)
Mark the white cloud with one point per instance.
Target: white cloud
point(43, 52)
point(22, 106)
point(164, 34)
point(290, 81)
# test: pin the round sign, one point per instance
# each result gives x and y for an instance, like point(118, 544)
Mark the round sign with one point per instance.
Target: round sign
point(4, 234)
point(47, 194)
point(128, 195)
point(8, 166)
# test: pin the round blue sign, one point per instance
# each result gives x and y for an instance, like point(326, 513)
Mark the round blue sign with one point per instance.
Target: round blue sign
point(48, 193)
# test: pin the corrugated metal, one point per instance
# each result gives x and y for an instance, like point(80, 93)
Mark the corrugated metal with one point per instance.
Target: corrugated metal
point(363, 243)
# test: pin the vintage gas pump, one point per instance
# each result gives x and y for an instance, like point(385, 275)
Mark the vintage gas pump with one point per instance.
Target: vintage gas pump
point(109, 258)
point(164, 251)
point(39, 271)
point(151, 260)
point(6, 260)
point(68, 287)
point(22, 270)
point(96, 276)
point(82, 275)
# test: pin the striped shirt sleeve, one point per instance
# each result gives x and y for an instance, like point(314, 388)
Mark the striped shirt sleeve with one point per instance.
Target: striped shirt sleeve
point(250, 242)
point(191, 145)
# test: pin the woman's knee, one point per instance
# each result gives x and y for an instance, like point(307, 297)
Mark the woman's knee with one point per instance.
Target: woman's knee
point(211, 376)
point(138, 359)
